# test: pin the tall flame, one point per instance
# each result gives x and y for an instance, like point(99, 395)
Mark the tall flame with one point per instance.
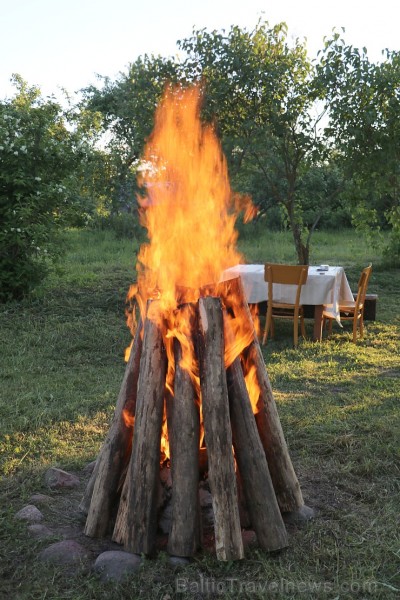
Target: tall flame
point(188, 206)
point(189, 210)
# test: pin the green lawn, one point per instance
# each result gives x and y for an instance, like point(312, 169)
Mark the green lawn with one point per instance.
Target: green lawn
point(61, 366)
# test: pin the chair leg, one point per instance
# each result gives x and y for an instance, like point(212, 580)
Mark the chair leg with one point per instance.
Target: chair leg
point(268, 323)
point(362, 326)
point(303, 327)
point(295, 330)
point(355, 322)
point(327, 324)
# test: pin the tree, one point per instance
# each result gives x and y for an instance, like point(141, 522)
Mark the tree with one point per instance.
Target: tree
point(126, 107)
point(364, 112)
point(38, 154)
point(261, 93)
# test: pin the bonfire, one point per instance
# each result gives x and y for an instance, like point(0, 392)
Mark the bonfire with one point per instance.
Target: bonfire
point(196, 397)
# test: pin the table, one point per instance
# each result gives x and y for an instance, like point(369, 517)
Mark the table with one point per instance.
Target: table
point(328, 287)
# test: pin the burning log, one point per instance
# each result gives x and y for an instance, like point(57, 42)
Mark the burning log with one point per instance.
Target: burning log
point(184, 436)
point(284, 479)
point(286, 484)
point(233, 435)
point(262, 505)
point(145, 458)
point(218, 436)
point(102, 491)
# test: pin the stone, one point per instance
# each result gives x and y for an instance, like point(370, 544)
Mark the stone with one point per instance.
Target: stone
point(116, 565)
point(300, 516)
point(67, 552)
point(29, 513)
point(39, 530)
point(178, 561)
point(57, 478)
point(40, 499)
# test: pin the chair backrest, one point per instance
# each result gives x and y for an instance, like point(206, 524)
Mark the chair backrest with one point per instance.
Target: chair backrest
point(362, 286)
point(286, 274)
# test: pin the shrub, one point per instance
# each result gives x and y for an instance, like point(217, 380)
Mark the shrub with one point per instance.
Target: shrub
point(37, 154)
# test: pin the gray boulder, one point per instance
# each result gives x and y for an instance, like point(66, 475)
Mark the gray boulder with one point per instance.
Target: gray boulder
point(30, 513)
point(57, 478)
point(116, 565)
point(67, 552)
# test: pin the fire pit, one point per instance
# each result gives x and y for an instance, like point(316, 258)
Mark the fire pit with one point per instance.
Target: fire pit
point(196, 394)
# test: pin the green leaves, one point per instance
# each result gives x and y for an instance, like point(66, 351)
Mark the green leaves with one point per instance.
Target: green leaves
point(123, 110)
point(37, 154)
point(260, 91)
point(363, 99)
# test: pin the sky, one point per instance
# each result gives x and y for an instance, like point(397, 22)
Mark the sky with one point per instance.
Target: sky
point(65, 43)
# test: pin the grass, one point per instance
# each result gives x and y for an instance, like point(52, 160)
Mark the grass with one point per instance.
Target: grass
point(61, 356)
point(327, 247)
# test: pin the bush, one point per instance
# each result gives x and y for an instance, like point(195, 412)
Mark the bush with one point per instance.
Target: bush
point(37, 154)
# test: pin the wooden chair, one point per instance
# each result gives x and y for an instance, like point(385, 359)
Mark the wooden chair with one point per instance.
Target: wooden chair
point(287, 275)
point(352, 311)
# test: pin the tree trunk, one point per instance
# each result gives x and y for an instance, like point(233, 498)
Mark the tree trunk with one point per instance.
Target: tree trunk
point(302, 250)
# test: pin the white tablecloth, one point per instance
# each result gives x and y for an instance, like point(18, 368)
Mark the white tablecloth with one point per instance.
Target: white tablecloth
point(323, 287)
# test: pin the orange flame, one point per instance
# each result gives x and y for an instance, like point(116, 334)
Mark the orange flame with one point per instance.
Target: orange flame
point(252, 387)
point(189, 210)
point(128, 418)
point(188, 204)
point(164, 444)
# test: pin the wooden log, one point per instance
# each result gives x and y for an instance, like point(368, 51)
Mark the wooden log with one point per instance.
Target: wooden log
point(284, 479)
point(184, 438)
point(104, 487)
point(144, 465)
point(259, 492)
point(84, 504)
point(120, 532)
point(218, 435)
point(245, 522)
